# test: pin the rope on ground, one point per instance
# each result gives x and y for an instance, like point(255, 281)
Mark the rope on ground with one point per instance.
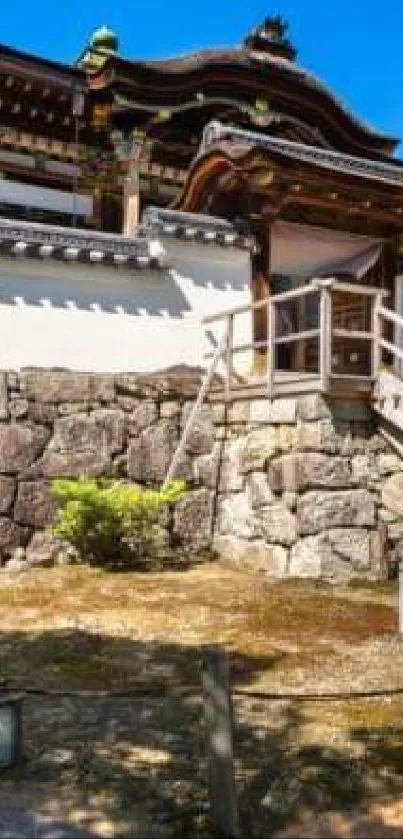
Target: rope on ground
point(317, 697)
point(139, 692)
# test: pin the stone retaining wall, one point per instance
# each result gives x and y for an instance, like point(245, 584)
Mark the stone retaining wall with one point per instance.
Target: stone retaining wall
point(297, 486)
point(308, 488)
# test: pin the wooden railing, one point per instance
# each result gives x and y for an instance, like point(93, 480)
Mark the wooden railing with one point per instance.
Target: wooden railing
point(363, 329)
point(354, 333)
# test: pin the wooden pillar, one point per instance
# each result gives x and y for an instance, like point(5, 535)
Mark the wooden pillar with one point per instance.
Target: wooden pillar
point(260, 290)
point(131, 206)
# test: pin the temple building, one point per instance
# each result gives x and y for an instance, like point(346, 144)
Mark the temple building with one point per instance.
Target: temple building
point(190, 184)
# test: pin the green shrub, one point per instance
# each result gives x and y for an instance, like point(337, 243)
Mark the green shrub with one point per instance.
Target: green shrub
point(111, 522)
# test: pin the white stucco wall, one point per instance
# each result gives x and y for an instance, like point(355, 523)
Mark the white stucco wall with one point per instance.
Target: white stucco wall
point(94, 317)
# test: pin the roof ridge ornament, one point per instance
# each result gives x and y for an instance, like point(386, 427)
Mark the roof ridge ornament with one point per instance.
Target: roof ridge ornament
point(270, 37)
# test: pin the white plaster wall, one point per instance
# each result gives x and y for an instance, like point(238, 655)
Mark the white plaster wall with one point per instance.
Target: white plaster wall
point(89, 317)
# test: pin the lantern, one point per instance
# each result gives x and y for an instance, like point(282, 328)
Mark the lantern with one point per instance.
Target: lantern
point(10, 729)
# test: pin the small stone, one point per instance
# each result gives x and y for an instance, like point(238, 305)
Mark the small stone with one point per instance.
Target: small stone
point(3, 397)
point(17, 562)
point(43, 550)
point(68, 408)
point(12, 380)
point(143, 415)
point(7, 493)
point(258, 490)
point(290, 499)
point(18, 408)
point(387, 516)
point(170, 409)
point(395, 531)
point(257, 448)
point(287, 436)
point(277, 525)
point(364, 468)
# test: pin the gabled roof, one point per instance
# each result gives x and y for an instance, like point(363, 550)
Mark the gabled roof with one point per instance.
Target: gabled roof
point(386, 172)
point(257, 73)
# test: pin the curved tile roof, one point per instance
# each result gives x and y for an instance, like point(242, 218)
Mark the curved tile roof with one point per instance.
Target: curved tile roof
point(243, 57)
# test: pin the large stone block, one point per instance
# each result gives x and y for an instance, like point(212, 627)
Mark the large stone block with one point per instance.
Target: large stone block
point(257, 448)
point(193, 518)
point(54, 387)
point(388, 463)
point(80, 446)
point(392, 494)
point(351, 545)
point(7, 493)
point(12, 535)
point(253, 556)
point(282, 411)
point(238, 411)
point(235, 516)
point(20, 445)
point(313, 406)
point(200, 439)
point(307, 556)
point(322, 436)
point(318, 511)
point(149, 456)
point(35, 505)
point(277, 524)
point(311, 470)
point(113, 422)
point(42, 413)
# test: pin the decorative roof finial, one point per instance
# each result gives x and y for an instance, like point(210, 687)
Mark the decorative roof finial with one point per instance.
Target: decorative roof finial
point(270, 37)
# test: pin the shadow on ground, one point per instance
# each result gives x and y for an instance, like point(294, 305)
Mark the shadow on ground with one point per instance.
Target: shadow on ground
point(132, 766)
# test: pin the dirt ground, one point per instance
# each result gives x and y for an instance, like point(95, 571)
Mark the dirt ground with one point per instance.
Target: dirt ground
point(135, 765)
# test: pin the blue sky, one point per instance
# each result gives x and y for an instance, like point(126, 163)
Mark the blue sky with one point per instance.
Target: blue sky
point(353, 45)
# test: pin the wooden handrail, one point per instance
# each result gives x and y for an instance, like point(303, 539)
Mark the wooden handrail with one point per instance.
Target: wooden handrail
point(354, 334)
point(315, 285)
point(389, 315)
point(392, 348)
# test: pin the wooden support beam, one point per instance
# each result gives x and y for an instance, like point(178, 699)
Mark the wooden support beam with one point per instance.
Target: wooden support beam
point(260, 290)
point(219, 723)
